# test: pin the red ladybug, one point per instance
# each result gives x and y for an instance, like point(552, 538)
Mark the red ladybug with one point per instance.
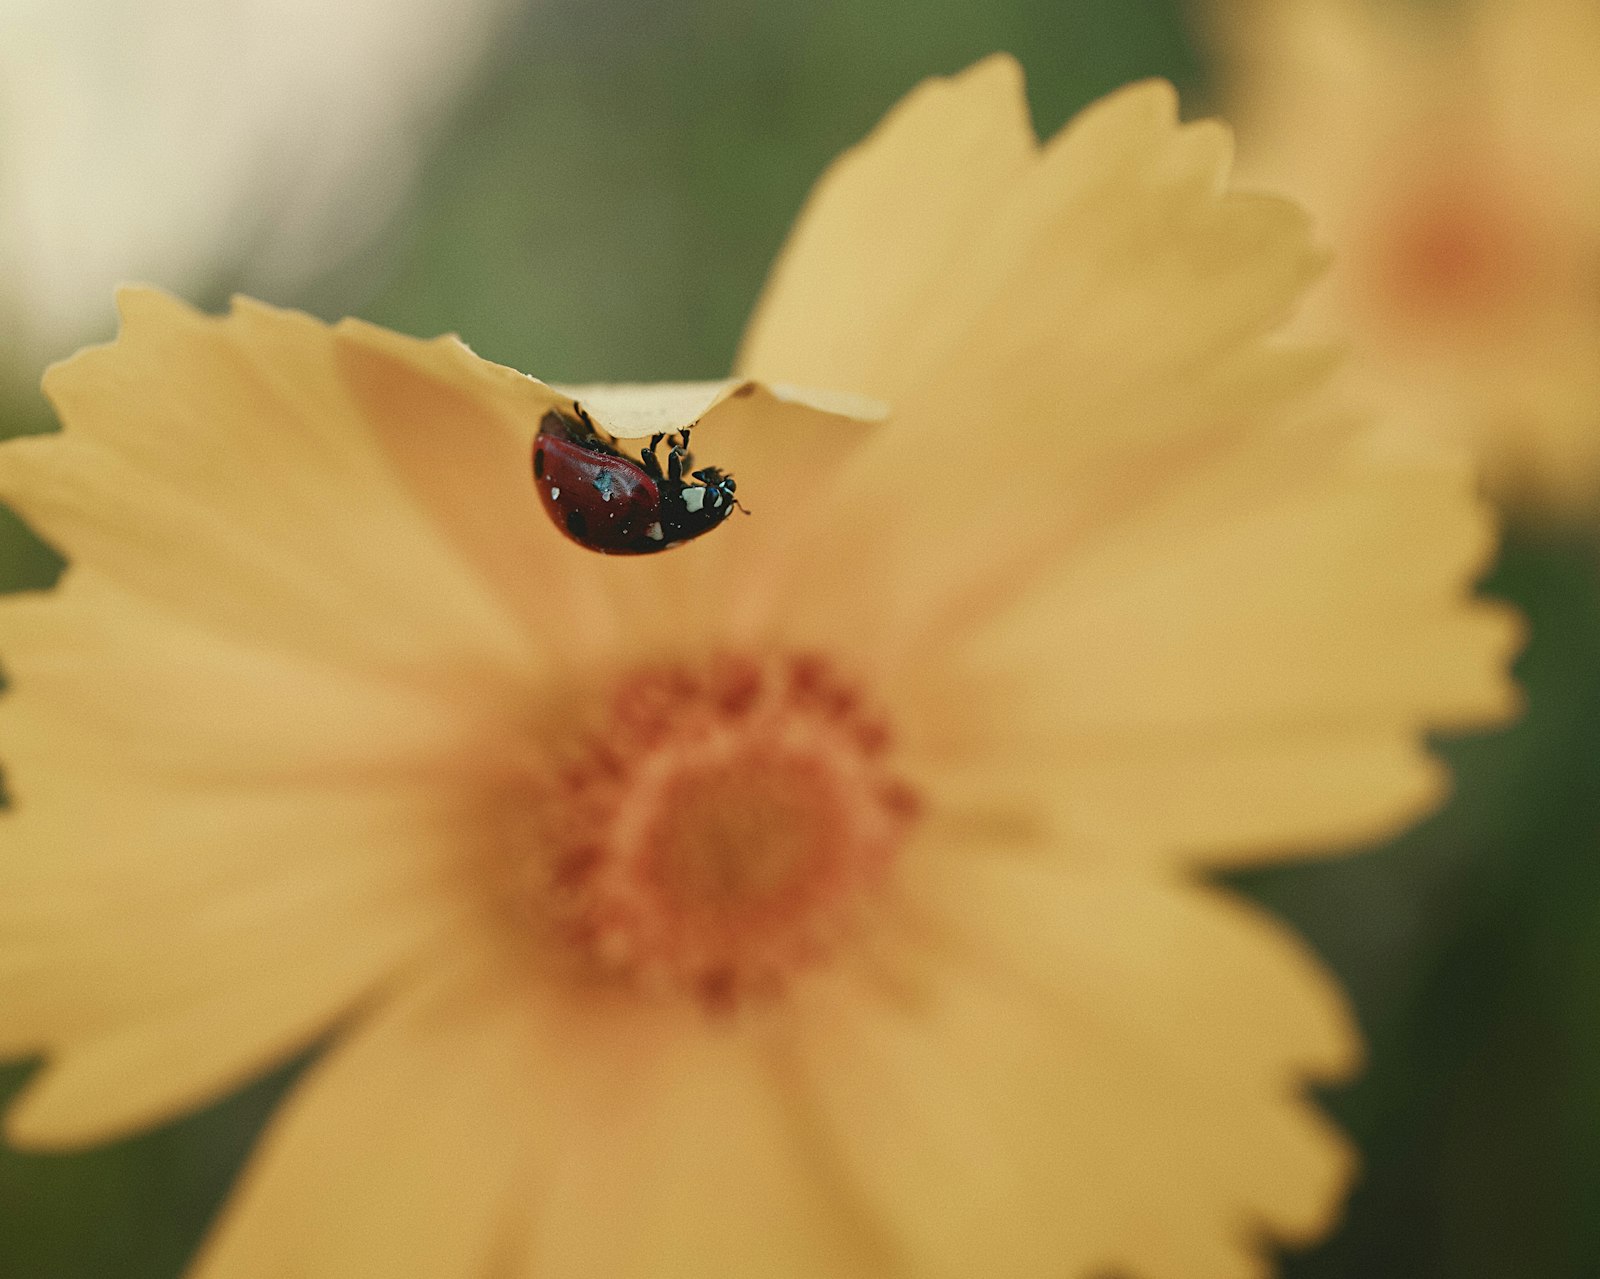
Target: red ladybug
point(604, 500)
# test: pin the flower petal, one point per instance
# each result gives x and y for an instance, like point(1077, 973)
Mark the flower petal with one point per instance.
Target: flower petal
point(1212, 799)
point(402, 1153)
point(364, 496)
point(268, 839)
point(1216, 801)
point(162, 950)
point(200, 451)
point(1093, 312)
point(883, 226)
point(1090, 1074)
point(782, 444)
point(688, 1133)
point(1247, 669)
point(638, 410)
point(104, 685)
point(460, 432)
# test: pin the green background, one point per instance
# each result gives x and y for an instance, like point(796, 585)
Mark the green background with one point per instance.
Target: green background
point(603, 206)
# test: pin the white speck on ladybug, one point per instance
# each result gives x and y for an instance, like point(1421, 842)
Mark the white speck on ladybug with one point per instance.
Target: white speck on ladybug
point(693, 499)
point(654, 532)
point(554, 492)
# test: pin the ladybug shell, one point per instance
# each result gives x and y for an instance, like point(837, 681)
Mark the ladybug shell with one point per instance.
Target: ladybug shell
point(601, 501)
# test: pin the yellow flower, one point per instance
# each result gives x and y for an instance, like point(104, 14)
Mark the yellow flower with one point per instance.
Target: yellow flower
point(1452, 154)
point(820, 899)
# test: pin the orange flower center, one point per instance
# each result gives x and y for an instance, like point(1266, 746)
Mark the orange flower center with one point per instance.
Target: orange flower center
point(1455, 251)
point(722, 826)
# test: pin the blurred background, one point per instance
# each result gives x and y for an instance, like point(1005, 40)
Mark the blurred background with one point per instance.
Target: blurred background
point(592, 189)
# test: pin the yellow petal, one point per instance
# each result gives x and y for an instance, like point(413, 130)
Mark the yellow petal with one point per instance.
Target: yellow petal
point(1093, 1075)
point(1247, 670)
point(691, 1134)
point(164, 949)
point(201, 451)
point(882, 228)
point(102, 683)
point(365, 496)
point(404, 1153)
point(636, 411)
point(1338, 599)
point(1114, 238)
point(1211, 799)
point(1091, 311)
point(460, 431)
point(1261, 797)
point(1239, 1000)
point(783, 445)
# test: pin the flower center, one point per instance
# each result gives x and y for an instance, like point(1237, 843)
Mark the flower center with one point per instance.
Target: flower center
point(1457, 252)
point(721, 826)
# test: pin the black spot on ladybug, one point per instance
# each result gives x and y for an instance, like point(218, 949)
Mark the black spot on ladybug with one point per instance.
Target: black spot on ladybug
point(576, 524)
point(538, 464)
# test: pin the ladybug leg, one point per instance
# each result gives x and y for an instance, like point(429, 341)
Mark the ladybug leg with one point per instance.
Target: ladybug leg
point(680, 460)
point(648, 458)
point(593, 431)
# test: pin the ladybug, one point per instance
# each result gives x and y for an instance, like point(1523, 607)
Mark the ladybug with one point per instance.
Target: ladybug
point(606, 501)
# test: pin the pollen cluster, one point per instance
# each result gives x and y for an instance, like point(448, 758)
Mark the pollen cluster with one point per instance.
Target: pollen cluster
point(720, 827)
